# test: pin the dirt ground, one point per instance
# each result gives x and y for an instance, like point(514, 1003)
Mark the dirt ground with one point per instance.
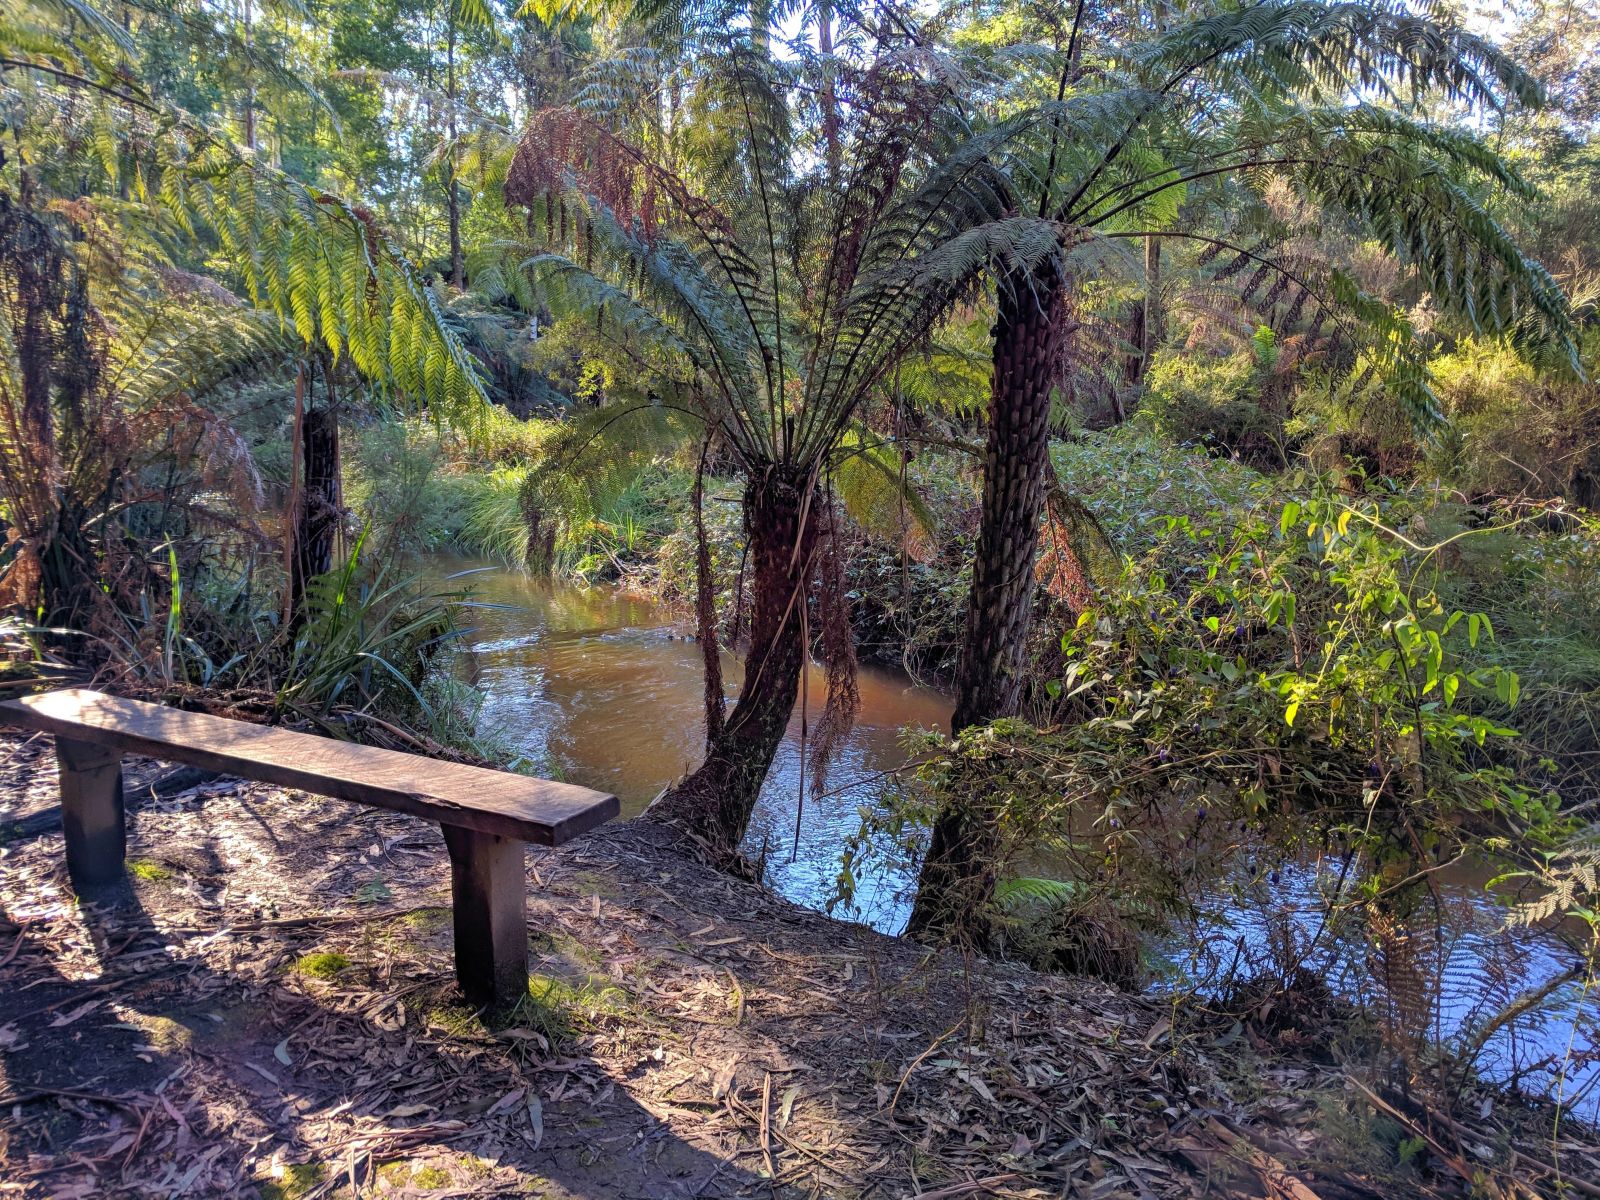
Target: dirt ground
point(267, 1009)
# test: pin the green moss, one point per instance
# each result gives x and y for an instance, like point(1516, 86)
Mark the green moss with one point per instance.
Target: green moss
point(150, 870)
point(426, 920)
point(454, 1020)
point(557, 1006)
point(324, 964)
point(592, 883)
point(432, 1177)
point(569, 947)
point(394, 1175)
point(296, 1181)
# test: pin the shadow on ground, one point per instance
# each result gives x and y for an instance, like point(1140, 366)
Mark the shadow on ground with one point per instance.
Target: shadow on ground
point(195, 1031)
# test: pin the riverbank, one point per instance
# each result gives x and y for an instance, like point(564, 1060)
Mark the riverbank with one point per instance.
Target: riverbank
point(268, 1011)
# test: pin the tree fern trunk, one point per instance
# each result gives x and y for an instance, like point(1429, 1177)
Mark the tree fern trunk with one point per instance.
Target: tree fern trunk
point(321, 505)
point(833, 152)
point(957, 878)
point(715, 802)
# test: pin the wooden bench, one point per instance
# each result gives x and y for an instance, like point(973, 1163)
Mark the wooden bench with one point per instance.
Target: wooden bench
point(486, 815)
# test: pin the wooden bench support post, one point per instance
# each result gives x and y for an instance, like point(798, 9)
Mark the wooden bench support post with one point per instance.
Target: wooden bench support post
point(91, 812)
point(489, 892)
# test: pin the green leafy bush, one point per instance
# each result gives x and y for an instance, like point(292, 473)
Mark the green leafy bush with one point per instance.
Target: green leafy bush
point(1276, 678)
point(1517, 429)
point(401, 482)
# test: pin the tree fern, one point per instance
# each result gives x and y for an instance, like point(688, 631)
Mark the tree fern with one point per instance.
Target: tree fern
point(322, 265)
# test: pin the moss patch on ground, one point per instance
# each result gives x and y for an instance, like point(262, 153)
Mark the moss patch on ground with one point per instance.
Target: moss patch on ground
point(164, 1033)
point(456, 1020)
point(150, 871)
point(427, 920)
point(593, 883)
point(558, 1007)
point(296, 1180)
point(432, 1177)
point(324, 964)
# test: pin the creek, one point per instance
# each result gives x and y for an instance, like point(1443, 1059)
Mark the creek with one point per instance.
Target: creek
point(603, 688)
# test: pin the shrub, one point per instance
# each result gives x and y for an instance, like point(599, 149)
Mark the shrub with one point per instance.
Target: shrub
point(1219, 401)
point(1279, 677)
point(1517, 430)
point(401, 484)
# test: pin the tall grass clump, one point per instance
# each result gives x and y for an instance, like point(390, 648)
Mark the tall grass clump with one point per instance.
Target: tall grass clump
point(495, 526)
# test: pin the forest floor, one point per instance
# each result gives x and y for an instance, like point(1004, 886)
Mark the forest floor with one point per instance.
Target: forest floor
point(267, 1008)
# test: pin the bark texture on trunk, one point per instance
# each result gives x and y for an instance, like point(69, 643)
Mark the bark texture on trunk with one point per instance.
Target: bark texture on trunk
point(833, 152)
point(1027, 347)
point(1151, 332)
point(715, 802)
point(458, 273)
point(321, 506)
point(957, 877)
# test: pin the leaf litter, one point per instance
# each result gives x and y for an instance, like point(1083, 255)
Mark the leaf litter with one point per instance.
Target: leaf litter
point(691, 1035)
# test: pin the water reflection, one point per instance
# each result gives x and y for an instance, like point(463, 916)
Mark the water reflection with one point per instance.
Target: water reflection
point(602, 688)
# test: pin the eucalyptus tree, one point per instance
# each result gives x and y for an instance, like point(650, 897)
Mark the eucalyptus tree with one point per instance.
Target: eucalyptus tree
point(108, 190)
point(1325, 95)
point(768, 307)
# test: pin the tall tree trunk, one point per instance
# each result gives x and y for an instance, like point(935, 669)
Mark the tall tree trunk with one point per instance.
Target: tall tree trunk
point(957, 876)
point(705, 608)
point(316, 522)
point(250, 82)
point(458, 273)
point(70, 561)
point(1152, 331)
point(781, 513)
point(54, 565)
point(833, 156)
point(761, 27)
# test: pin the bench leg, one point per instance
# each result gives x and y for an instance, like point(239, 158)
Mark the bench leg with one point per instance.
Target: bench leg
point(489, 892)
point(91, 812)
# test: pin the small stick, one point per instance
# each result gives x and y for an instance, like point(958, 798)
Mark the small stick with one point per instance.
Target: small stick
point(766, 1124)
point(917, 1062)
point(966, 1189)
point(16, 946)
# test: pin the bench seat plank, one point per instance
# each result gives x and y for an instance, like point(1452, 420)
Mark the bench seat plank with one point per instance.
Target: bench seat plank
point(493, 802)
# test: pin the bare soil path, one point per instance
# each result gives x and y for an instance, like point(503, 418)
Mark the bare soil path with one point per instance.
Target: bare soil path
point(267, 1009)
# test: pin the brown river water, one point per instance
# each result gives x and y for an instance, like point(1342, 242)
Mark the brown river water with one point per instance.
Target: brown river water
point(603, 688)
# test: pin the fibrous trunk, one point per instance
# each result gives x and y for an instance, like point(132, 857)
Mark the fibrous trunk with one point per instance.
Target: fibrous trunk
point(458, 274)
point(54, 568)
point(715, 802)
point(321, 506)
point(957, 876)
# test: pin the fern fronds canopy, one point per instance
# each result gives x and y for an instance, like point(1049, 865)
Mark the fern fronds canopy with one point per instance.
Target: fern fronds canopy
point(321, 265)
point(777, 308)
point(1157, 135)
